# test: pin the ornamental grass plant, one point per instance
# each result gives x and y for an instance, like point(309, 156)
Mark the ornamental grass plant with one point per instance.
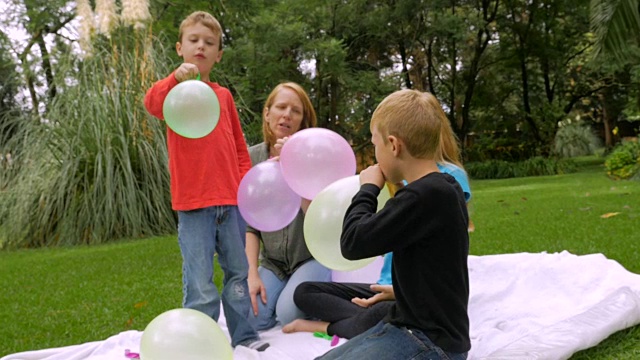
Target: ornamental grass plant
point(93, 167)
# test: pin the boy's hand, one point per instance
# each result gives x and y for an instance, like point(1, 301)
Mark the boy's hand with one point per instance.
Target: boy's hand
point(385, 293)
point(372, 175)
point(186, 71)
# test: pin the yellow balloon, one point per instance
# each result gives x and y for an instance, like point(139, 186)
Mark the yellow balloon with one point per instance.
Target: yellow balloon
point(323, 223)
point(184, 334)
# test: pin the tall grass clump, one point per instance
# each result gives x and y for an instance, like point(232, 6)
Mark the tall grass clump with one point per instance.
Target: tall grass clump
point(575, 139)
point(94, 167)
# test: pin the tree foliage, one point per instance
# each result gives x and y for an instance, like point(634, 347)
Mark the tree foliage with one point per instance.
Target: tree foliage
point(616, 25)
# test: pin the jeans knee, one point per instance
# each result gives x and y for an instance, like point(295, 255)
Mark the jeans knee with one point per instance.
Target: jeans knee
point(236, 290)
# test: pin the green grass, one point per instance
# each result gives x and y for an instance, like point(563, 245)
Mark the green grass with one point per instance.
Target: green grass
point(59, 297)
point(67, 296)
point(556, 213)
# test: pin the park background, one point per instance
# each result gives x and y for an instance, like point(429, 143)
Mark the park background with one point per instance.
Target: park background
point(527, 86)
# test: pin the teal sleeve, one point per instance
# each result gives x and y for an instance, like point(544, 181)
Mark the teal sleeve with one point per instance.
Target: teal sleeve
point(385, 272)
point(461, 177)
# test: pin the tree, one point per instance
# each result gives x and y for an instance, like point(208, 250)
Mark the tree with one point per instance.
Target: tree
point(9, 106)
point(616, 25)
point(43, 21)
point(548, 46)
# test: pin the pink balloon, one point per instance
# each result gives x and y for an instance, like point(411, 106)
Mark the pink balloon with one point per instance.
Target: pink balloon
point(314, 158)
point(265, 200)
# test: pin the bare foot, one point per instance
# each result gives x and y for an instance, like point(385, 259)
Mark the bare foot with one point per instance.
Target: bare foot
point(301, 325)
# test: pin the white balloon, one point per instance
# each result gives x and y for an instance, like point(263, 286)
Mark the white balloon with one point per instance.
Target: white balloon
point(184, 334)
point(323, 223)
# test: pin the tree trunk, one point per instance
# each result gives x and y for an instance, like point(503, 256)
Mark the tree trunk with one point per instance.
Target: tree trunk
point(525, 98)
point(608, 139)
point(46, 65)
point(405, 71)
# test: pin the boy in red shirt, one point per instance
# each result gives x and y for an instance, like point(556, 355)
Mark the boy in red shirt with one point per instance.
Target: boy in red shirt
point(205, 174)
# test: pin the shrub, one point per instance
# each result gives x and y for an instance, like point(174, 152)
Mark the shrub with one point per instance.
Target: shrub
point(624, 161)
point(575, 139)
point(536, 166)
point(96, 169)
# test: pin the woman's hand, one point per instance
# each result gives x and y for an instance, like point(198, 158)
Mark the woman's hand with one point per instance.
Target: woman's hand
point(186, 71)
point(256, 287)
point(385, 293)
point(277, 147)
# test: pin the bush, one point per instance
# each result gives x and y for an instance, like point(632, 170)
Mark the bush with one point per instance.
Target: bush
point(575, 139)
point(536, 166)
point(96, 169)
point(624, 161)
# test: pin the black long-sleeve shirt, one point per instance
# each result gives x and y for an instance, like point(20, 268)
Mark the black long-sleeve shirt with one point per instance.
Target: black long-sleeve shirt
point(425, 225)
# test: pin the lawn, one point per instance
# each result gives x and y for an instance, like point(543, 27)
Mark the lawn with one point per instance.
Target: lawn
point(66, 296)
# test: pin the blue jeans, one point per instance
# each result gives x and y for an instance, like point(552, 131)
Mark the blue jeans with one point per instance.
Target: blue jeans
point(386, 341)
point(280, 306)
point(201, 234)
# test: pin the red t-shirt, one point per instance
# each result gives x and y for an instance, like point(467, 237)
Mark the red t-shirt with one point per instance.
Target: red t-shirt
point(206, 171)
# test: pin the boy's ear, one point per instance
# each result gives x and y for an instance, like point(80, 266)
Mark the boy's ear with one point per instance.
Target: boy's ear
point(179, 48)
point(396, 145)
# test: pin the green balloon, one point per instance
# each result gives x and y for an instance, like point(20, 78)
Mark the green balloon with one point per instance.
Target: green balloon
point(323, 223)
point(184, 334)
point(191, 109)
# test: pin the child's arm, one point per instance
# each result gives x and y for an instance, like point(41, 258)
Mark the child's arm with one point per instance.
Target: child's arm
point(244, 161)
point(154, 99)
point(367, 233)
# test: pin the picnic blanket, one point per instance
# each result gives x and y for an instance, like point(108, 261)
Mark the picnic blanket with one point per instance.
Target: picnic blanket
point(521, 306)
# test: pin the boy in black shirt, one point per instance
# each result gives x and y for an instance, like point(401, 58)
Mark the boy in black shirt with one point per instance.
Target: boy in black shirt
point(424, 225)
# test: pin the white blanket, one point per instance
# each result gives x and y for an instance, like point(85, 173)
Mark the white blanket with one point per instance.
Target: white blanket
point(522, 306)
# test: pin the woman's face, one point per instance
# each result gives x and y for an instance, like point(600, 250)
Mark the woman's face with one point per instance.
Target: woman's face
point(285, 114)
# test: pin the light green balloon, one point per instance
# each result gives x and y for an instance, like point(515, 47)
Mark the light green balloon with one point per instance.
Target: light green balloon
point(184, 334)
point(323, 223)
point(191, 109)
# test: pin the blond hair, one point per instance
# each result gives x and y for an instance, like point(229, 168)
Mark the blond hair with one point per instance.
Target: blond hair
point(308, 113)
point(414, 117)
point(204, 18)
point(449, 149)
